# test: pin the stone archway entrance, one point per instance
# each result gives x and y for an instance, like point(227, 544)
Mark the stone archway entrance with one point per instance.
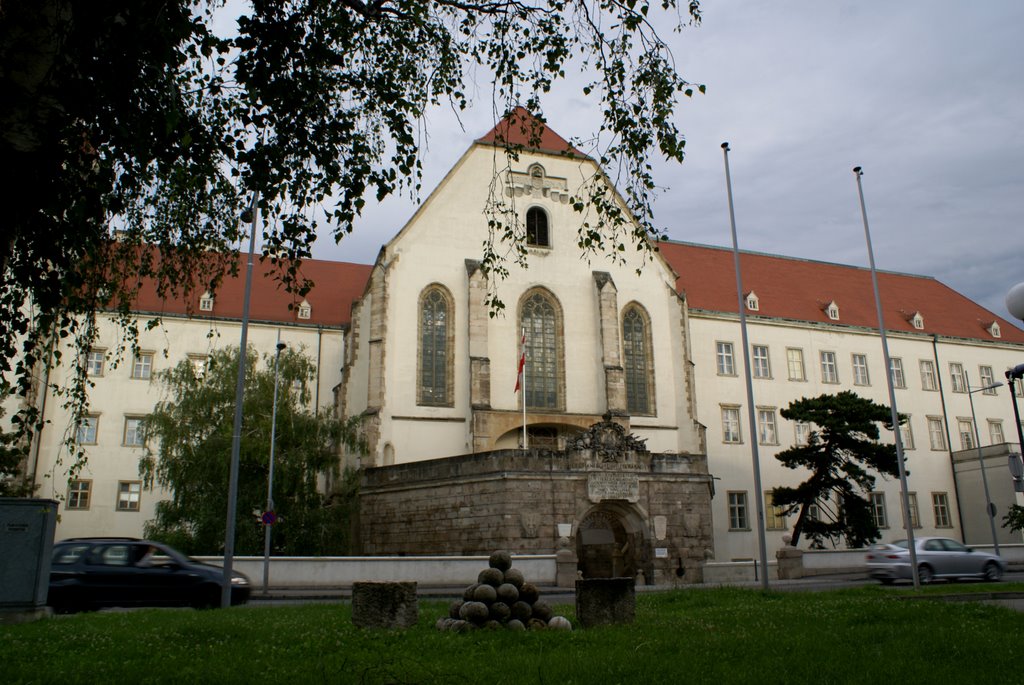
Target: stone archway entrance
point(609, 546)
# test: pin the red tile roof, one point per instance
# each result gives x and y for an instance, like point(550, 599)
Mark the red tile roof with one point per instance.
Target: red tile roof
point(336, 285)
point(518, 128)
point(800, 289)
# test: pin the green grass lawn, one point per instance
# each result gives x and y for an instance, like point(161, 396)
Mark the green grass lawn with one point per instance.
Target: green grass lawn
point(701, 635)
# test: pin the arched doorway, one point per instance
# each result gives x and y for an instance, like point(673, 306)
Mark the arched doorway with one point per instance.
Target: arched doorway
point(610, 543)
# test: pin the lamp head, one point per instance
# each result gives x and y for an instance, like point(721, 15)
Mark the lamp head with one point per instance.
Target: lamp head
point(725, 146)
point(281, 346)
point(858, 170)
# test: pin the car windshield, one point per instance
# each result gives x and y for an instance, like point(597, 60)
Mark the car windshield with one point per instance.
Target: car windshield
point(899, 543)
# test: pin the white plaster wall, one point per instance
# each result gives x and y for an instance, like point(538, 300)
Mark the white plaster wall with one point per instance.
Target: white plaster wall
point(116, 395)
point(930, 470)
point(451, 228)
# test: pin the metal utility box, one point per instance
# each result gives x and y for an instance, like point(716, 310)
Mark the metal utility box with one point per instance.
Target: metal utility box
point(26, 543)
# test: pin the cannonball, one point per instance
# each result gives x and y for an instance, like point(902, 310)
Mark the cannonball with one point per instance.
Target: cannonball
point(500, 611)
point(508, 593)
point(476, 612)
point(522, 611)
point(460, 626)
point(515, 577)
point(442, 623)
point(500, 560)
point(559, 623)
point(542, 611)
point(491, 576)
point(529, 593)
point(485, 593)
point(515, 624)
point(536, 624)
point(453, 608)
point(467, 594)
point(492, 625)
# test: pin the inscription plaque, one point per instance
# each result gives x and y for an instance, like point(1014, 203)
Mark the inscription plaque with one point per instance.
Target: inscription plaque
point(603, 485)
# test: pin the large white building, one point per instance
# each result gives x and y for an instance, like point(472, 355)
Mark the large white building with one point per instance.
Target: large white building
point(408, 345)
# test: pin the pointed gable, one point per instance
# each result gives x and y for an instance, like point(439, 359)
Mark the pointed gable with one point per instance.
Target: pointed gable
point(521, 128)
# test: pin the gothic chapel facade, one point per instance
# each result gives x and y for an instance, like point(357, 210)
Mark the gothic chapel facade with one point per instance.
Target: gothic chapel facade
point(433, 377)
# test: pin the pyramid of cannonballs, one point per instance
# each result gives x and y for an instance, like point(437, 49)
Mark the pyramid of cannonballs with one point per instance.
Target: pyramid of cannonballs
point(501, 598)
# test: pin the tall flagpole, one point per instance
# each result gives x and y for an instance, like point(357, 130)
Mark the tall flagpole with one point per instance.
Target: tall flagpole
point(758, 494)
point(522, 383)
point(904, 496)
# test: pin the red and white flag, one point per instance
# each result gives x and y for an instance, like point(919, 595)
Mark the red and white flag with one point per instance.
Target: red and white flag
point(522, 362)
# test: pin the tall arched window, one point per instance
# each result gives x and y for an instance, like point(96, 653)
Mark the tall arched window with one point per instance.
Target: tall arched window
point(435, 353)
point(541, 320)
point(637, 360)
point(537, 227)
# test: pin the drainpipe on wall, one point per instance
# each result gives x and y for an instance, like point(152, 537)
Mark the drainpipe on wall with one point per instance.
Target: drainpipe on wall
point(949, 441)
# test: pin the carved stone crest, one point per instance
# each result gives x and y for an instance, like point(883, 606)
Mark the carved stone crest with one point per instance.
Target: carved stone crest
point(607, 440)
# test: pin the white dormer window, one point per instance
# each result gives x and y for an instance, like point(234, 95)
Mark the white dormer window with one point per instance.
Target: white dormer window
point(832, 310)
point(917, 321)
point(994, 331)
point(752, 302)
point(206, 302)
point(305, 310)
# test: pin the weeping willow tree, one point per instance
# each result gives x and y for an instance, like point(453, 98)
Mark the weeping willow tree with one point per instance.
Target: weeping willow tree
point(189, 437)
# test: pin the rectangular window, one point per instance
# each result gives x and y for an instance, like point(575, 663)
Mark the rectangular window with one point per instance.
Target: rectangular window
point(940, 507)
point(896, 372)
point(928, 381)
point(198, 362)
point(936, 433)
point(878, 510)
point(129, 492)
point(766, 434)
point(88, 429)
point(795, 364)
point(142, 368)
point(133, 432)
point(94, 362)
point(829, 370)
point(731, 424)
point(738, 511)
point(995, 432)
point(774, 518)
point(1018, 387)
point(956, 374)
point(915, 517)
point(966, 430)
point(907, 435)
point(762, 368)
point(78, 494)
point(860, 370)
point(802, 433)
point(726, 367)
point(815, 509)
point(987, 378)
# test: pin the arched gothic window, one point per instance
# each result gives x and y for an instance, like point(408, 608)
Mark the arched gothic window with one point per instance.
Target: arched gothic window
point(435, 353)
point(637, 360)
point(541, 321)
point(537, 227)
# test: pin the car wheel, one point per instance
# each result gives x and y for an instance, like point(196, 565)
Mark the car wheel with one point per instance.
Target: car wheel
point(992, 572)
point(208, 597)
point(925, 574)
point(886, 581)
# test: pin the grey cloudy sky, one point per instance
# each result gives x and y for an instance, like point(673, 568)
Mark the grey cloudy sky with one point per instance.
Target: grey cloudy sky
point(926, 95)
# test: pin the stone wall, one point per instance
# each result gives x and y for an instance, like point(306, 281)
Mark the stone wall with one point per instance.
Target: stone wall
point(532, 502)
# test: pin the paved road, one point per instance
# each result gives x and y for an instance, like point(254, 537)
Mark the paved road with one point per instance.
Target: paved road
point(567, 596)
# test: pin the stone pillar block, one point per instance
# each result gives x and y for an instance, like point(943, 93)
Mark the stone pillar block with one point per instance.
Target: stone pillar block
point(604, 601)
point(565, 568)
point(385, 605)
point(791, 563)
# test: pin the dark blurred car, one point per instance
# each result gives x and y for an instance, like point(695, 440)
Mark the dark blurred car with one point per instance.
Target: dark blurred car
point(92, 573)
point(936, 558)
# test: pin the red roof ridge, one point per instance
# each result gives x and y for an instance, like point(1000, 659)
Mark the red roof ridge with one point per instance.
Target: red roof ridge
point(520, 127)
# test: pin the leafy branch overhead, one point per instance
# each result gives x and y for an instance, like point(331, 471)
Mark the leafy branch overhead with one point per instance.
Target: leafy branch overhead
point(134, 134)
point(842, 455)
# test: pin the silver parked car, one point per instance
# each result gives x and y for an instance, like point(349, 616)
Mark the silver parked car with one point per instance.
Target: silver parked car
point(936, 558)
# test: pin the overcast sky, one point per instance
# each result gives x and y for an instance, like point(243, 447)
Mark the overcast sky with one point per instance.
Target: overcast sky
point(926, 95)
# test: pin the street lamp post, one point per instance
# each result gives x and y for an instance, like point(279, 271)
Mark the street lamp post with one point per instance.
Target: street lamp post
point(990, 508)
point(1015, 305)
point(270, 517)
